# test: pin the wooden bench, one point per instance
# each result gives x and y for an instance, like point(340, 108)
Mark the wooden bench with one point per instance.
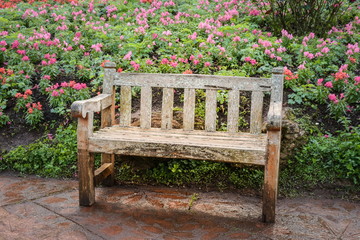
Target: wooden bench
point(231, 146)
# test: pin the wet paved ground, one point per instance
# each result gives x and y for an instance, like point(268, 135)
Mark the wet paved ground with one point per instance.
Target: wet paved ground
point(37, 208)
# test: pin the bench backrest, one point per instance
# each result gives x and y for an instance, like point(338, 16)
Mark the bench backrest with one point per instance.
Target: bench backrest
point(190, 82)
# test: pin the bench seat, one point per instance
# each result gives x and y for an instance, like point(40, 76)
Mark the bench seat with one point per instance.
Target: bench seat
point(176, 143)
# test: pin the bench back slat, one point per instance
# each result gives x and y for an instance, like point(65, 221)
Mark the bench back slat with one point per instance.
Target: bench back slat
point(257, 99)
point(145, 107)
point(189, 109)
point(192, 81)
point(233, 111)
point(167, 108)
point(125, 106)
point(210, 110)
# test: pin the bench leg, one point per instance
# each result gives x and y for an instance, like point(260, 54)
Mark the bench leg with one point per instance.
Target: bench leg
point(109, 158)
point(86, 178)
point(271, 177)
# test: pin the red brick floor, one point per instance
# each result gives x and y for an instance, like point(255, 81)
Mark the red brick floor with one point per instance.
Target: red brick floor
point(38, 208)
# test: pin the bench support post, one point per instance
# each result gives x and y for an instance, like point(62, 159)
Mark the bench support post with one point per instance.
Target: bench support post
point(85, 162)
point(271, 176)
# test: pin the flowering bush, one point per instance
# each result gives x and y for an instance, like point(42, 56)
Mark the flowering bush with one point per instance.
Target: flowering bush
point(51, 54)
point(62, 95)
point(44, 42)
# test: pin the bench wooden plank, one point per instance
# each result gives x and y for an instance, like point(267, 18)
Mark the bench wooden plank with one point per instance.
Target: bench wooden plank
point(233, 111)
point(177, 136)
point(210, 110)
point(182, 132)
point(196, 81)
point(125, 106)
point(102, 172)
point(169, 150)
point(167, 108)
point(256, 112)
point(145, 107)
point(189, 109)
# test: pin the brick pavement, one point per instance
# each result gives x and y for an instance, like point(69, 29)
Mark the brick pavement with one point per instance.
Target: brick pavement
point(38, 208)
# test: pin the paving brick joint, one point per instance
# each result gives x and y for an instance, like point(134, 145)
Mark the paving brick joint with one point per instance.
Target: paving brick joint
point(39, 208)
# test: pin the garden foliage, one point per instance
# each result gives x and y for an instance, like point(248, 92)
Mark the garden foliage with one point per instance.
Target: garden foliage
point(51, 52)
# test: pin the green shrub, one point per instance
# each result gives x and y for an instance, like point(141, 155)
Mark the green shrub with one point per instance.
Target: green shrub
point(194, 172)
point(330, 157)
point(46, 157)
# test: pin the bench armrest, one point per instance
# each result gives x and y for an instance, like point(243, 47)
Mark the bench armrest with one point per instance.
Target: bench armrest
point(95, 104)
point(274, 117)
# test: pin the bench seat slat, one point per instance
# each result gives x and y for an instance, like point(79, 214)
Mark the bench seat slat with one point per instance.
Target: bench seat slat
point(196, 81)
point(239, 148)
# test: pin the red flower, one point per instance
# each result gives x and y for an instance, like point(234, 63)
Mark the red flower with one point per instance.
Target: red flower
point(188, 72)
point(28, 92)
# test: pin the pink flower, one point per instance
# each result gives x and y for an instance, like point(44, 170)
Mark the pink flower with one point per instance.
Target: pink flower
point(255, 45)
point(196, 62)
point(25, 58)
point(173, 64)
point(333, 98)
point(247, 59)
point(97, 47)
point(128, 56)
point(253, 61)
point(326, 136)
point(309, 55)
point(149, 62)
point(52, 61)
point(319, 81)
point(61, 91)
point(44, 63)
point(64, 84)
point(15, 44)
point(46, 77)
point(165, 61)
point(328, 84)
point(193, 36)
point(55, 93)
point(278, 58)
point(301, 66)
point(207, 64)
point(236, 39)
point(21, 52)
point(325, 50)
point(357, 80)
point(77, 86)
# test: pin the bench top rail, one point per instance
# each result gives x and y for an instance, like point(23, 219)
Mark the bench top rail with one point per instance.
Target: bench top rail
point(196, 81)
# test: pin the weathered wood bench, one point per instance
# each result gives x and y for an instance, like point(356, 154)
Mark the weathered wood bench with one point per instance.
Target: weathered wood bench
point(231, 146)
